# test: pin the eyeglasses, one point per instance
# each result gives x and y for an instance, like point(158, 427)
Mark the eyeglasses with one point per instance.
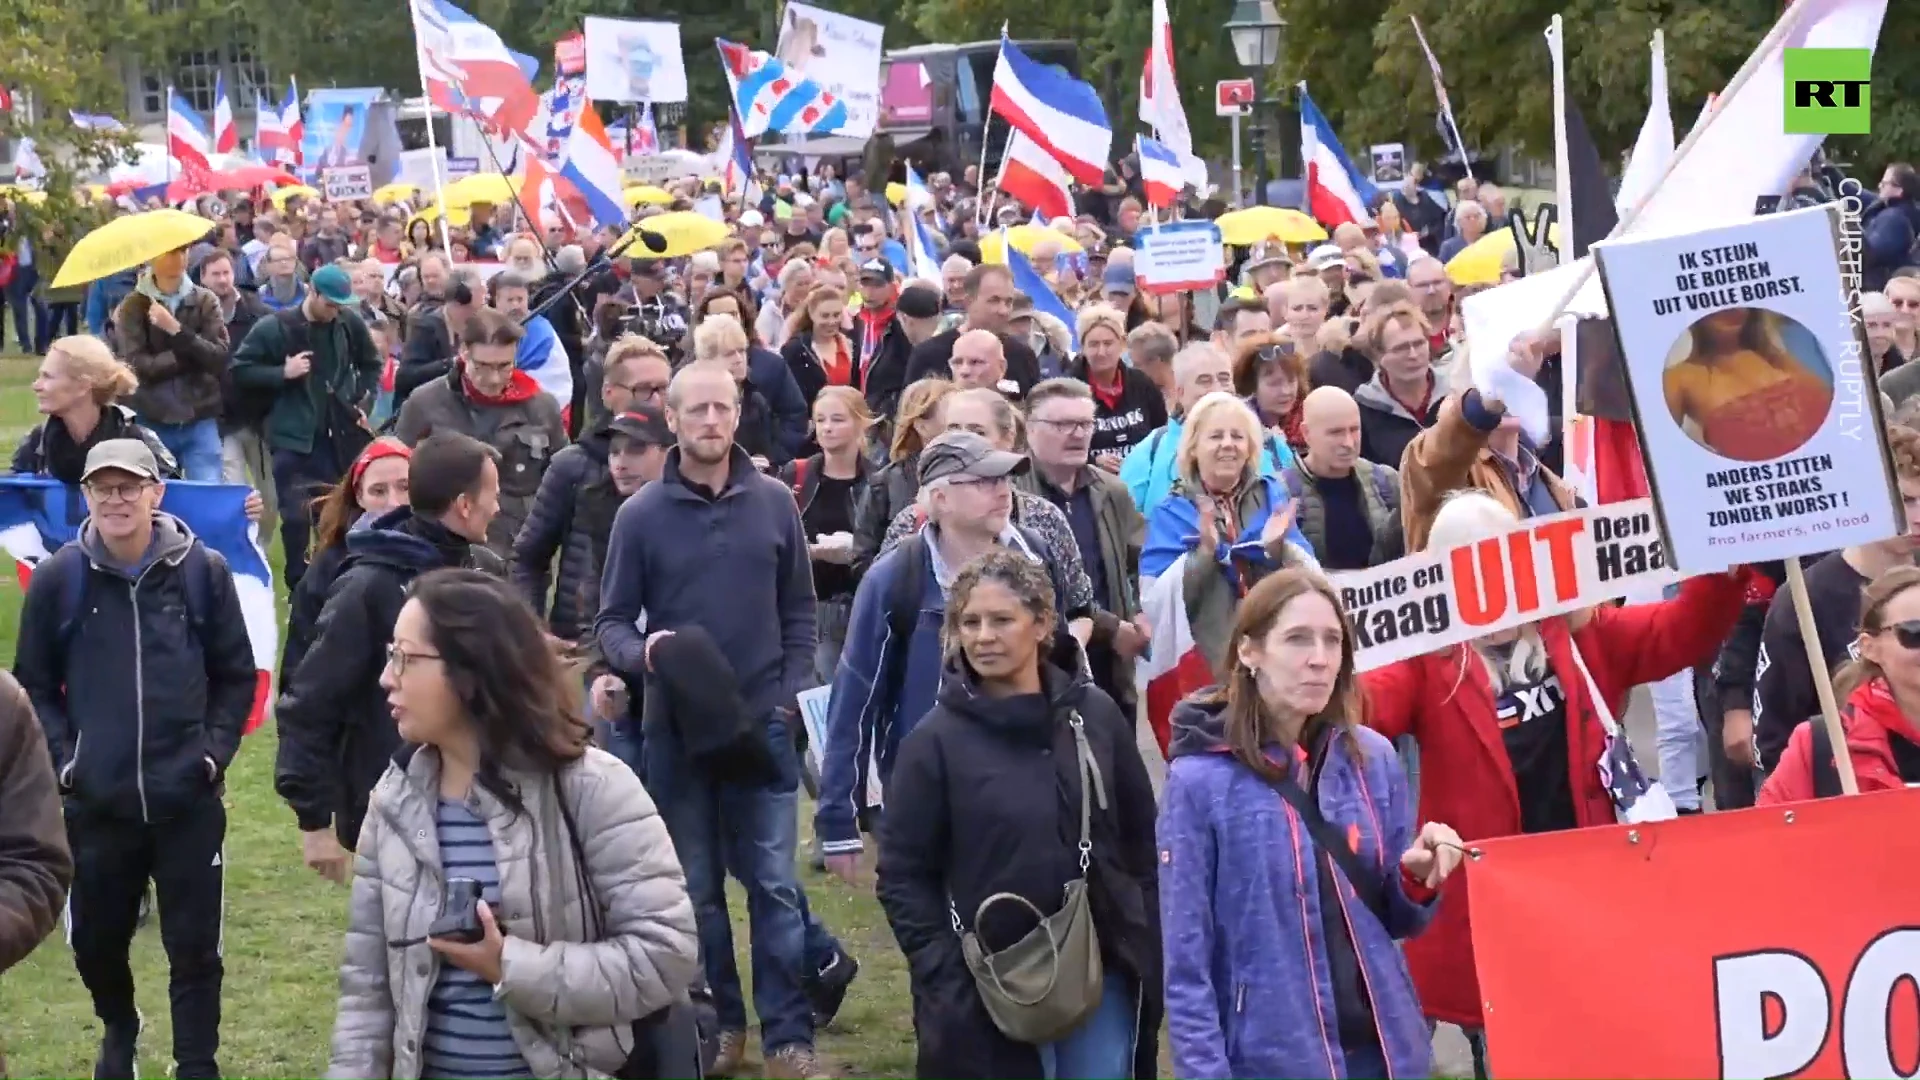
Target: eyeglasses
point(398, 658)
point(1069, 427)
point(643, 390)
point(126, 492)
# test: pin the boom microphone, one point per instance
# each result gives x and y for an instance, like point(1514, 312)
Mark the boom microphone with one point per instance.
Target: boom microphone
point(654, 241)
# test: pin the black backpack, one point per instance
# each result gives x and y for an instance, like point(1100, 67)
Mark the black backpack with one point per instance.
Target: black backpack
point(70, 563)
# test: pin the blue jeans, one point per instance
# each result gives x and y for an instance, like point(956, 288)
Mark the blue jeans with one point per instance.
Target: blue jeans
point(1101, 1048)
point(196, 446)
point(27, 311)
point(752, 831)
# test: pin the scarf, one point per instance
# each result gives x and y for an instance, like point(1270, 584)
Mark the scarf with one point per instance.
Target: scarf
point(65, 459)
point(148, 287)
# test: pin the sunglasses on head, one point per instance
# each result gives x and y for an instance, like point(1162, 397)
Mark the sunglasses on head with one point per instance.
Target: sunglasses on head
point(1270, 353)
point(1906, 633)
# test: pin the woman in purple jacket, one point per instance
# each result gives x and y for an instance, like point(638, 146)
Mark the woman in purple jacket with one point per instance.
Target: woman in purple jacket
point(1280, 829)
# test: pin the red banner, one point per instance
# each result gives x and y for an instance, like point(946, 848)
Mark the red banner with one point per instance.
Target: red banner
point(1773, 942)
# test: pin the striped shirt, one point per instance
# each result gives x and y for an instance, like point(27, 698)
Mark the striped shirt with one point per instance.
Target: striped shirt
point(467, 1033)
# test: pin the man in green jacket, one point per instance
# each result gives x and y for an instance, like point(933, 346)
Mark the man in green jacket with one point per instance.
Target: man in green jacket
point(320, 365)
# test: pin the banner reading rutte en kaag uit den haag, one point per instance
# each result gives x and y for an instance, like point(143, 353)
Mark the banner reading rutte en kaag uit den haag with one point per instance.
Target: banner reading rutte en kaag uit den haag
point(1545, 566)
point(1759, 420)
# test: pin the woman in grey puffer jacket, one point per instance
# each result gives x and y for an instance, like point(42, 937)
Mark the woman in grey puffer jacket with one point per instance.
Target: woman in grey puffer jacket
point(587, 925)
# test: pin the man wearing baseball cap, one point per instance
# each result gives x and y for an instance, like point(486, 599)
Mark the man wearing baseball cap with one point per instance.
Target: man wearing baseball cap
point(320, 365)
point(890, 667)
point(133, 645)
point(1267, 264)
point(880, 343)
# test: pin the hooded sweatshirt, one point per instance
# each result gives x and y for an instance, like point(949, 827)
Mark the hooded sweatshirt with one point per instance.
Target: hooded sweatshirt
point(1269, 973)
point(142, 712)
point(1883, 741)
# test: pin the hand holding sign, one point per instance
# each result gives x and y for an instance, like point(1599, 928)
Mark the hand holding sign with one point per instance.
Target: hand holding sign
point(1434, 854)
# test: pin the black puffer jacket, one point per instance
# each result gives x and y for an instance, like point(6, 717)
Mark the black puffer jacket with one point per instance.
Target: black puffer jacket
point(336, 732)
point(572, 515)
point(118, 661)
point(985, 798)
point(303, 610)
point(180, 373)
point(889, 490)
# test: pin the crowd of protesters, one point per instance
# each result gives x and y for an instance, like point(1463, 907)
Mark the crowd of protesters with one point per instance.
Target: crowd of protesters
point(559, 582)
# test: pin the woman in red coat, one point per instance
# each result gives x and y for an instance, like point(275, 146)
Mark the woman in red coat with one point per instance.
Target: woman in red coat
point(1508, 736)
point(1881, 691)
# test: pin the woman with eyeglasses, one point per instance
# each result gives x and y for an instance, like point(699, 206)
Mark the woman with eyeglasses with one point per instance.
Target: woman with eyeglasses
point(583, 924)
point(1127, 405)
point(1880, 691)
point(1270, 375)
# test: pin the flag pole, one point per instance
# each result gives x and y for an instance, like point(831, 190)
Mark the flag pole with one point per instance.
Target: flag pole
point(1768, 45)
point(1440, 92)
point(433, 143)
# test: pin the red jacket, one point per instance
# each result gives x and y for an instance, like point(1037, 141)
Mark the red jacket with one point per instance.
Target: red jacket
point(1445, 701)
point(1870, 712)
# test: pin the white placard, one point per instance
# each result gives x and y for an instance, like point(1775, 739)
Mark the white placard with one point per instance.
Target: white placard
point(1759, 422)
point(1179, 256)
point(1548, 566)
point(1389, 163)
point(630, 60)
point(813, 713)
point(347, 182)
point(841, 54)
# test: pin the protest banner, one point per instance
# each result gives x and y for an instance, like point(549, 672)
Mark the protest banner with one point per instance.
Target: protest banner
point(1179, 256)
point(1389, 162)
point(1545, 567)
point(459, 168)
point(347, 182)
point(840, 53)
point(1760, 423)
point(634, 61)
point(1618, 952)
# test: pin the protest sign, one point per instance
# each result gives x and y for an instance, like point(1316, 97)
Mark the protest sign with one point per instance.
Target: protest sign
point(1759, 421)
point(1178, 256)
point(634, 61)
point(1617, 951)
point(347, 182)
point(459, 168)
point(1546, 566)
point(1389, 162)
point(839, 53)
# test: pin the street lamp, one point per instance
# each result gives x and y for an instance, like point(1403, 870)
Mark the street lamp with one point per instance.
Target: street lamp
point(1258, 32)
point(1256, 29)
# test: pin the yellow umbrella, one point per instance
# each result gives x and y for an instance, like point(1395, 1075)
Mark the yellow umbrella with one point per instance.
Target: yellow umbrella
point(1024, 239)
point(686, 232)
point(27, 195)
point(1258, 223)
point(646, 195)
point(493, 189)
point(281, 195)
point(127, 242)
point(457, 216)
point(1479, 262)
point(393, 193)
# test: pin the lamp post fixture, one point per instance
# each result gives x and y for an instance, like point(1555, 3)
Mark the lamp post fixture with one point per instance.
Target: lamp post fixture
point(1258, 33)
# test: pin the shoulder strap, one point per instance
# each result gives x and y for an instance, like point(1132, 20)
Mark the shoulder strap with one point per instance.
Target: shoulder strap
point(197, 579)
point(1385, 482)
point(1367, 886)
point(1092, 787)
point(1826, 774)
point(903, 609)
point(800, 476)
point(70, 573)
point(589, 899)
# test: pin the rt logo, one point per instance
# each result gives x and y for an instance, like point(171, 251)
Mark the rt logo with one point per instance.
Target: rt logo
point(1827, 91)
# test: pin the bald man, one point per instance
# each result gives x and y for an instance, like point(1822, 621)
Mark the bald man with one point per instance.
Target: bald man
point(1349, 506)
point(980, 362)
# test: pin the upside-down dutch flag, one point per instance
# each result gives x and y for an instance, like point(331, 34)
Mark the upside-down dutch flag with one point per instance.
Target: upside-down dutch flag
point(1057, 111)
point(1174, 667)
point(226, 134)
point(1030, 174)
point(769, 97)
point(38, 514)
point(189, 139)
point(1337, 192)
point(469, 70)
point(921, 252)
point(1160, 172)
point(594, 171)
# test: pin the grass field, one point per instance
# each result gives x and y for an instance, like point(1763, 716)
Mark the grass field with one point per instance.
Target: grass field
point(284, 927)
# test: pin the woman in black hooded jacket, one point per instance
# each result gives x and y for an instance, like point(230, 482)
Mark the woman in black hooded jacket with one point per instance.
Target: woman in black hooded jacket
point(986, 798)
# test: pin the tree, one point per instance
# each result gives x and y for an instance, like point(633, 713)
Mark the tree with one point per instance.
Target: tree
point(1376, 87)
point(56, 59)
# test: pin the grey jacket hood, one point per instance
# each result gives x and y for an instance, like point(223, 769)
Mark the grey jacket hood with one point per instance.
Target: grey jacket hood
point(171, 539)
